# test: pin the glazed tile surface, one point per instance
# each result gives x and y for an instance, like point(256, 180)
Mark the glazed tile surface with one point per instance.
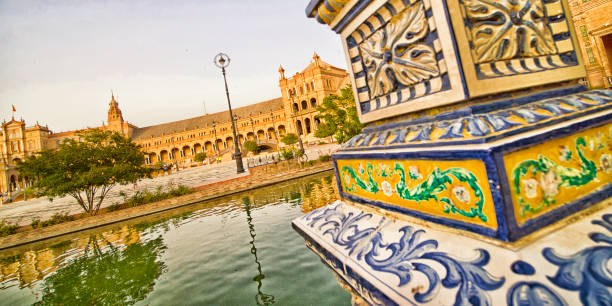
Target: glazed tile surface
point(397, 262)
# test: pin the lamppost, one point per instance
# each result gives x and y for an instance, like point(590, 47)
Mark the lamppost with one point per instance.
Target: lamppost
point(222, 61)
point(6, 176)
point(238, 128)
point(253, 130)
point(215, 141)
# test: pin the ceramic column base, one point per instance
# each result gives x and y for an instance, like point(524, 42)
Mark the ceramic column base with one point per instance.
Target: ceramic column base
point(503, 169)
point(389, 260)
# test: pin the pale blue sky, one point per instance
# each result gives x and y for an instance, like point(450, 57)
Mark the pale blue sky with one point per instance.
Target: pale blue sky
point(59, 60)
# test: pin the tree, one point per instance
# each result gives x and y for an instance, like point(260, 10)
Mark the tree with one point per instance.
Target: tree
point(107, 275)
point(339, 115)
point(290, 139)
point(86, 169)
point(251, 146)
point(200, 157)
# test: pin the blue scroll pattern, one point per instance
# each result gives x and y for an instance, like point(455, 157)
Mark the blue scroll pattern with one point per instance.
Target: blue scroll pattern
point(410, 255)
point(469, 125)
point(587, 271)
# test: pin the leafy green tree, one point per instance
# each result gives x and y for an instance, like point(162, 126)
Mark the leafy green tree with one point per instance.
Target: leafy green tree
point(107, 277)
point(290, 139)
point(251, 146)
point(287, 154)
point(86, 169)
point(339, 115)
point(200, 157)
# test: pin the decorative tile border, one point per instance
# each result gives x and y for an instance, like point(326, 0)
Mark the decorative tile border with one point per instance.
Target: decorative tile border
point(457, 190)
point(544, 177)
point(394, 262)
point(482, 123)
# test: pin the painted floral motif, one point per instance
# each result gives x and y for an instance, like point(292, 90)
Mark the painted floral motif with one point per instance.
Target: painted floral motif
point(409, 256)
point(552, 177)
point(397, 52)
point(414, 173)
point(430, 189)
point(343, 228)
point(508, 29)
point(531, 188)
point(587, 271)
point(462, 194)
point(550, 183)
point(386, 188)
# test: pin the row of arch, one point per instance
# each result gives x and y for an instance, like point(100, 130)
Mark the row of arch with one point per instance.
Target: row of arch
point(304, 105)
point(17, 182)
point(304, 126)
point(219, 145)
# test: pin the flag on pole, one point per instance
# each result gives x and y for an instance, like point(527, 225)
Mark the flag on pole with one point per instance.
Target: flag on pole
point(13, 107)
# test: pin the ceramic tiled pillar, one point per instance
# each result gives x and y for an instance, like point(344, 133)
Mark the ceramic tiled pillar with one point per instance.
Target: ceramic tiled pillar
point(484, 170)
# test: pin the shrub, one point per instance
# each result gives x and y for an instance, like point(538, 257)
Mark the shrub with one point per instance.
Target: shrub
point(290, 139)
point(144, 197)
point(35, 223)
point(324, 158)
point(251, 146)
point(113, 207)
point(7, 229)
point(55, 219)
point(200, 157)
point(287, 154)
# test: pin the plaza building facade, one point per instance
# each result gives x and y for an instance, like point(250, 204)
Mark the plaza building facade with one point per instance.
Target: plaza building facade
point(593, 22)
point(179, 141)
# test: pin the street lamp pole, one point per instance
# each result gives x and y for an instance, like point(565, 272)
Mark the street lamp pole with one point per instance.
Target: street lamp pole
point(253, 130)
point(222, 61)
point(6, 176)
point(215, 141)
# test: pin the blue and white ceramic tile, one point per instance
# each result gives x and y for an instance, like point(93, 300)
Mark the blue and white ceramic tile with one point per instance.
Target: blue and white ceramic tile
point(395, 262)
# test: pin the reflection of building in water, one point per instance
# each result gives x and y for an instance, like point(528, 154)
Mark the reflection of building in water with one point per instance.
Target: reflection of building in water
point(32, 266)
point(321, 193)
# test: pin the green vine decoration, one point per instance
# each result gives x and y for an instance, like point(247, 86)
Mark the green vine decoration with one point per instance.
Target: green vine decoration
point(369, 186)
point(553, 176)
point(429, 189)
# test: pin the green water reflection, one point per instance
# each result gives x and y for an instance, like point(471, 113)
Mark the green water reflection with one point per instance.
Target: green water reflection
point(110, 277)
point(239, 250)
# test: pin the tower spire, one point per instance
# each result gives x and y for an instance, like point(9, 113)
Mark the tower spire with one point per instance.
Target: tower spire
point(281, 70)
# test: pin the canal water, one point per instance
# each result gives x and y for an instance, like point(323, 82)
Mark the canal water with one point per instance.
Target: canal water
point(236, 250)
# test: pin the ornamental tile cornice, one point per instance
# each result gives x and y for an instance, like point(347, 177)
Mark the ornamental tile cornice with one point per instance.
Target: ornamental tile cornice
point(483, 123)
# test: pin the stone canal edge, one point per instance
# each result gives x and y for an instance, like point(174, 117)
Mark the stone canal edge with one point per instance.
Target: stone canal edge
point(256, 179)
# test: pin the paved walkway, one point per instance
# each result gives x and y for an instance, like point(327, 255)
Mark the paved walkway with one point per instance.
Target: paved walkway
point(23, 212)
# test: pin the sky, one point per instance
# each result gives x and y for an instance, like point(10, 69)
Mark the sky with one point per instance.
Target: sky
point(60, 60)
